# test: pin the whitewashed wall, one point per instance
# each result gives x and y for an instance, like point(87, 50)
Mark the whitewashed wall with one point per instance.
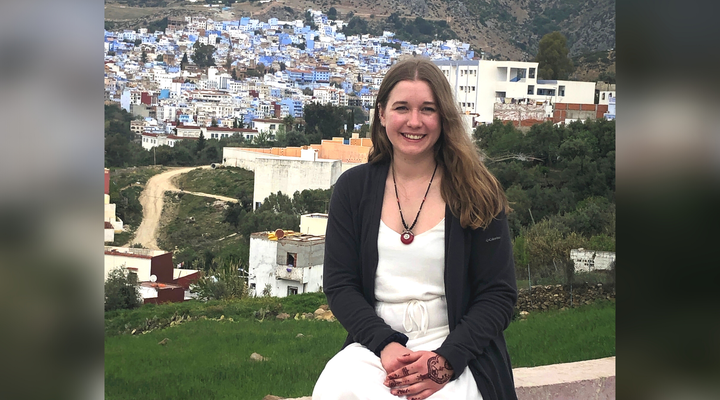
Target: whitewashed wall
point(290, 174)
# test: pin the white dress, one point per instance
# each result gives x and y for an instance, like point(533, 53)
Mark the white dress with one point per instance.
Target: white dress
point(410, 294)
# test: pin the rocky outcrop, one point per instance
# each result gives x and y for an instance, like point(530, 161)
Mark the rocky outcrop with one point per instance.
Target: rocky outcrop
point(543, 298)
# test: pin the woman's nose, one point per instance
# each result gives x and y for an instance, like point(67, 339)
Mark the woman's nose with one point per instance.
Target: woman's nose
point(414, 119)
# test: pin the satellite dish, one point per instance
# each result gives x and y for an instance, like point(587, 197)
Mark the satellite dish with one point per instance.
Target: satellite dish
point(153, 278)
point(279, 233)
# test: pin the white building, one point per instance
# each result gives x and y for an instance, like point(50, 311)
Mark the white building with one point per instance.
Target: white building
point(292, 264)
point(591, 260)
point(291, 174)
point(269, 126)
point(480, 84)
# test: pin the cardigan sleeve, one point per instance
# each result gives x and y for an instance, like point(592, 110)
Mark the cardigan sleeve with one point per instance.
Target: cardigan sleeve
point(493, 294)
point(342, 270)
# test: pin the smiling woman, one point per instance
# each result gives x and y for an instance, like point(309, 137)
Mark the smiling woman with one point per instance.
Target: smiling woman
point(425, 301)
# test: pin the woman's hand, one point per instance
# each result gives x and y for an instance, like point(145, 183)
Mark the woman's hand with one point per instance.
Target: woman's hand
point(424, 373)
point(390, 354)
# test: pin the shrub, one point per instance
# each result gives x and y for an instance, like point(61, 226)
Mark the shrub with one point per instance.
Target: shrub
point(223, 283)
point(121, 290)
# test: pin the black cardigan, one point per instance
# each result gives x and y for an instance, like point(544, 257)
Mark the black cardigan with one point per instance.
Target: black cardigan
point(479, 276)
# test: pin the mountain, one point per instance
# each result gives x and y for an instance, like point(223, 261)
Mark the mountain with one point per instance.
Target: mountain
point(503, 29)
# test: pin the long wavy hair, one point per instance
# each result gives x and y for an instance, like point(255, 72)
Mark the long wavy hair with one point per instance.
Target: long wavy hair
point(473, 194)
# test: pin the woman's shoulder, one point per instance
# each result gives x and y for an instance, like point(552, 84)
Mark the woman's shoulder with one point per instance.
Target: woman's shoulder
point(357, 176)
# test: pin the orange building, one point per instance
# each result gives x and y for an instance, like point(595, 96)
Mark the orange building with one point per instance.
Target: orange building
point(354, 153)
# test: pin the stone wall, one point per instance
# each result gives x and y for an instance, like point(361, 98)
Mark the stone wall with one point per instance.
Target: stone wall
point(542, 298)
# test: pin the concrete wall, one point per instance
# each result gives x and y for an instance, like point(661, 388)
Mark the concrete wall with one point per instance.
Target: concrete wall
point(591, 260)
point(289, 175)
point(238, 157)
point(313, 224)
point(582, 380)
point(263, 256)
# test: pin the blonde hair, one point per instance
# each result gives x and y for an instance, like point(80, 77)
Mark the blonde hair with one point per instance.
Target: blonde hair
point(473, 194)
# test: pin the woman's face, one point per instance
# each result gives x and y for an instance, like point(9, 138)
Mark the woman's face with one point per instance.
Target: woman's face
point(411, 119)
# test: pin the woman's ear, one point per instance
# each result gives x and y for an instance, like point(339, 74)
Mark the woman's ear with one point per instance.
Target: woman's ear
point(381, 114)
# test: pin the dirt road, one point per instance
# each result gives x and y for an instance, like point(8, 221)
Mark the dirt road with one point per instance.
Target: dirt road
point(152, 200)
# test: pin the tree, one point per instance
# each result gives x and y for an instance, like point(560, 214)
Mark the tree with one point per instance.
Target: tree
point(552, 57)
point(364, 130)
point(327, 120)
point(159, 57)
point(332, 13)
point(213, 122)
point(121, 291)
point(228, 62)
point(289, 122)
point(184, 62)
point(143, 56)
point(200, 144)
point(203, 56)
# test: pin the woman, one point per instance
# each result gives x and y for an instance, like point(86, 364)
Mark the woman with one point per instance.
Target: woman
point(418, 259)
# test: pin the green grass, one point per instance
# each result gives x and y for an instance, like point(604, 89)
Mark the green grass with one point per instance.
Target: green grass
point(209, 358)
point(231, 182)
point(559, 336)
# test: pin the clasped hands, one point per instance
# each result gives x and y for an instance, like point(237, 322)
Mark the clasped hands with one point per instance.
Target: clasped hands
point(414, 374)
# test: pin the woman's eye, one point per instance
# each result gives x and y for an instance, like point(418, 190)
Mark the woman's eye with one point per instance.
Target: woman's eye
point(429, 109)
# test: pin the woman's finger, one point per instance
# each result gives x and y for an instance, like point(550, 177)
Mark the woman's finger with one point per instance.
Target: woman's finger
point(405, 381)
point(422, 395)
point(409, 357)
point(406, 370)
point(412, 390)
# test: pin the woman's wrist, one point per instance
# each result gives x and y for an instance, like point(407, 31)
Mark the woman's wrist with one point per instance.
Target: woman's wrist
point(396, 337)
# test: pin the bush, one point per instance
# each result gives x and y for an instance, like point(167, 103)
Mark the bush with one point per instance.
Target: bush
point(121, 290)
point(223, 283)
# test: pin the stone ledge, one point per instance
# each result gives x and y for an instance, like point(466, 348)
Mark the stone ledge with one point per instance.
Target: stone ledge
point(582, 380)
point(592, 380)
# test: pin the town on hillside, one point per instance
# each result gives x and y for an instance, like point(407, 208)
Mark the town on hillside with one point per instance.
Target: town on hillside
point(201, 78)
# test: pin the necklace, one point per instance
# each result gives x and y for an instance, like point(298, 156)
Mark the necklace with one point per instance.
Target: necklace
point(407, 235)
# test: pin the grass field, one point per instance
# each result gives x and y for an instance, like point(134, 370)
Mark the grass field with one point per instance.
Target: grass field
point(210, 358)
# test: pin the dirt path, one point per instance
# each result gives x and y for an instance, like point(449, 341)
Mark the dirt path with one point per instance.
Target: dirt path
point(152, 200)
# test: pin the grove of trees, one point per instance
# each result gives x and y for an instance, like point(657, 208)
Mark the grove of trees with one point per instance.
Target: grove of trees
point(560, 182)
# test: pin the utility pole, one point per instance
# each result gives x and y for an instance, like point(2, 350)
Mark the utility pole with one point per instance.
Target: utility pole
point(154, 155)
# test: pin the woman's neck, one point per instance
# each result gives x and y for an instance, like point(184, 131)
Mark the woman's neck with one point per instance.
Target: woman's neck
point(411, 168)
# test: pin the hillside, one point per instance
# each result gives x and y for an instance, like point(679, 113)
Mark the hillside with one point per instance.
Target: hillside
point(503, 29)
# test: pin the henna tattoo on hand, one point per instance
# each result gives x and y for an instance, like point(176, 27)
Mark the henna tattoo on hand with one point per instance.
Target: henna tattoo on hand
point(439, 374)
point(405, 372)
point(420, 377)
point(393, 384)
point(403, 391)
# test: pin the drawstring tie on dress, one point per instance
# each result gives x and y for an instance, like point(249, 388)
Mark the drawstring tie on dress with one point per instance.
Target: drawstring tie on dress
point(409, 321)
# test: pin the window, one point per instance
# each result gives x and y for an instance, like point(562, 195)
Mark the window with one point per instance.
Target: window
point(462, 88)
point(531, 89)
point(292, 290)
point(532, 73)
point(561, 91)
point(272, 127)
point(472, 88)
point(291, 259)
point(603, 96)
